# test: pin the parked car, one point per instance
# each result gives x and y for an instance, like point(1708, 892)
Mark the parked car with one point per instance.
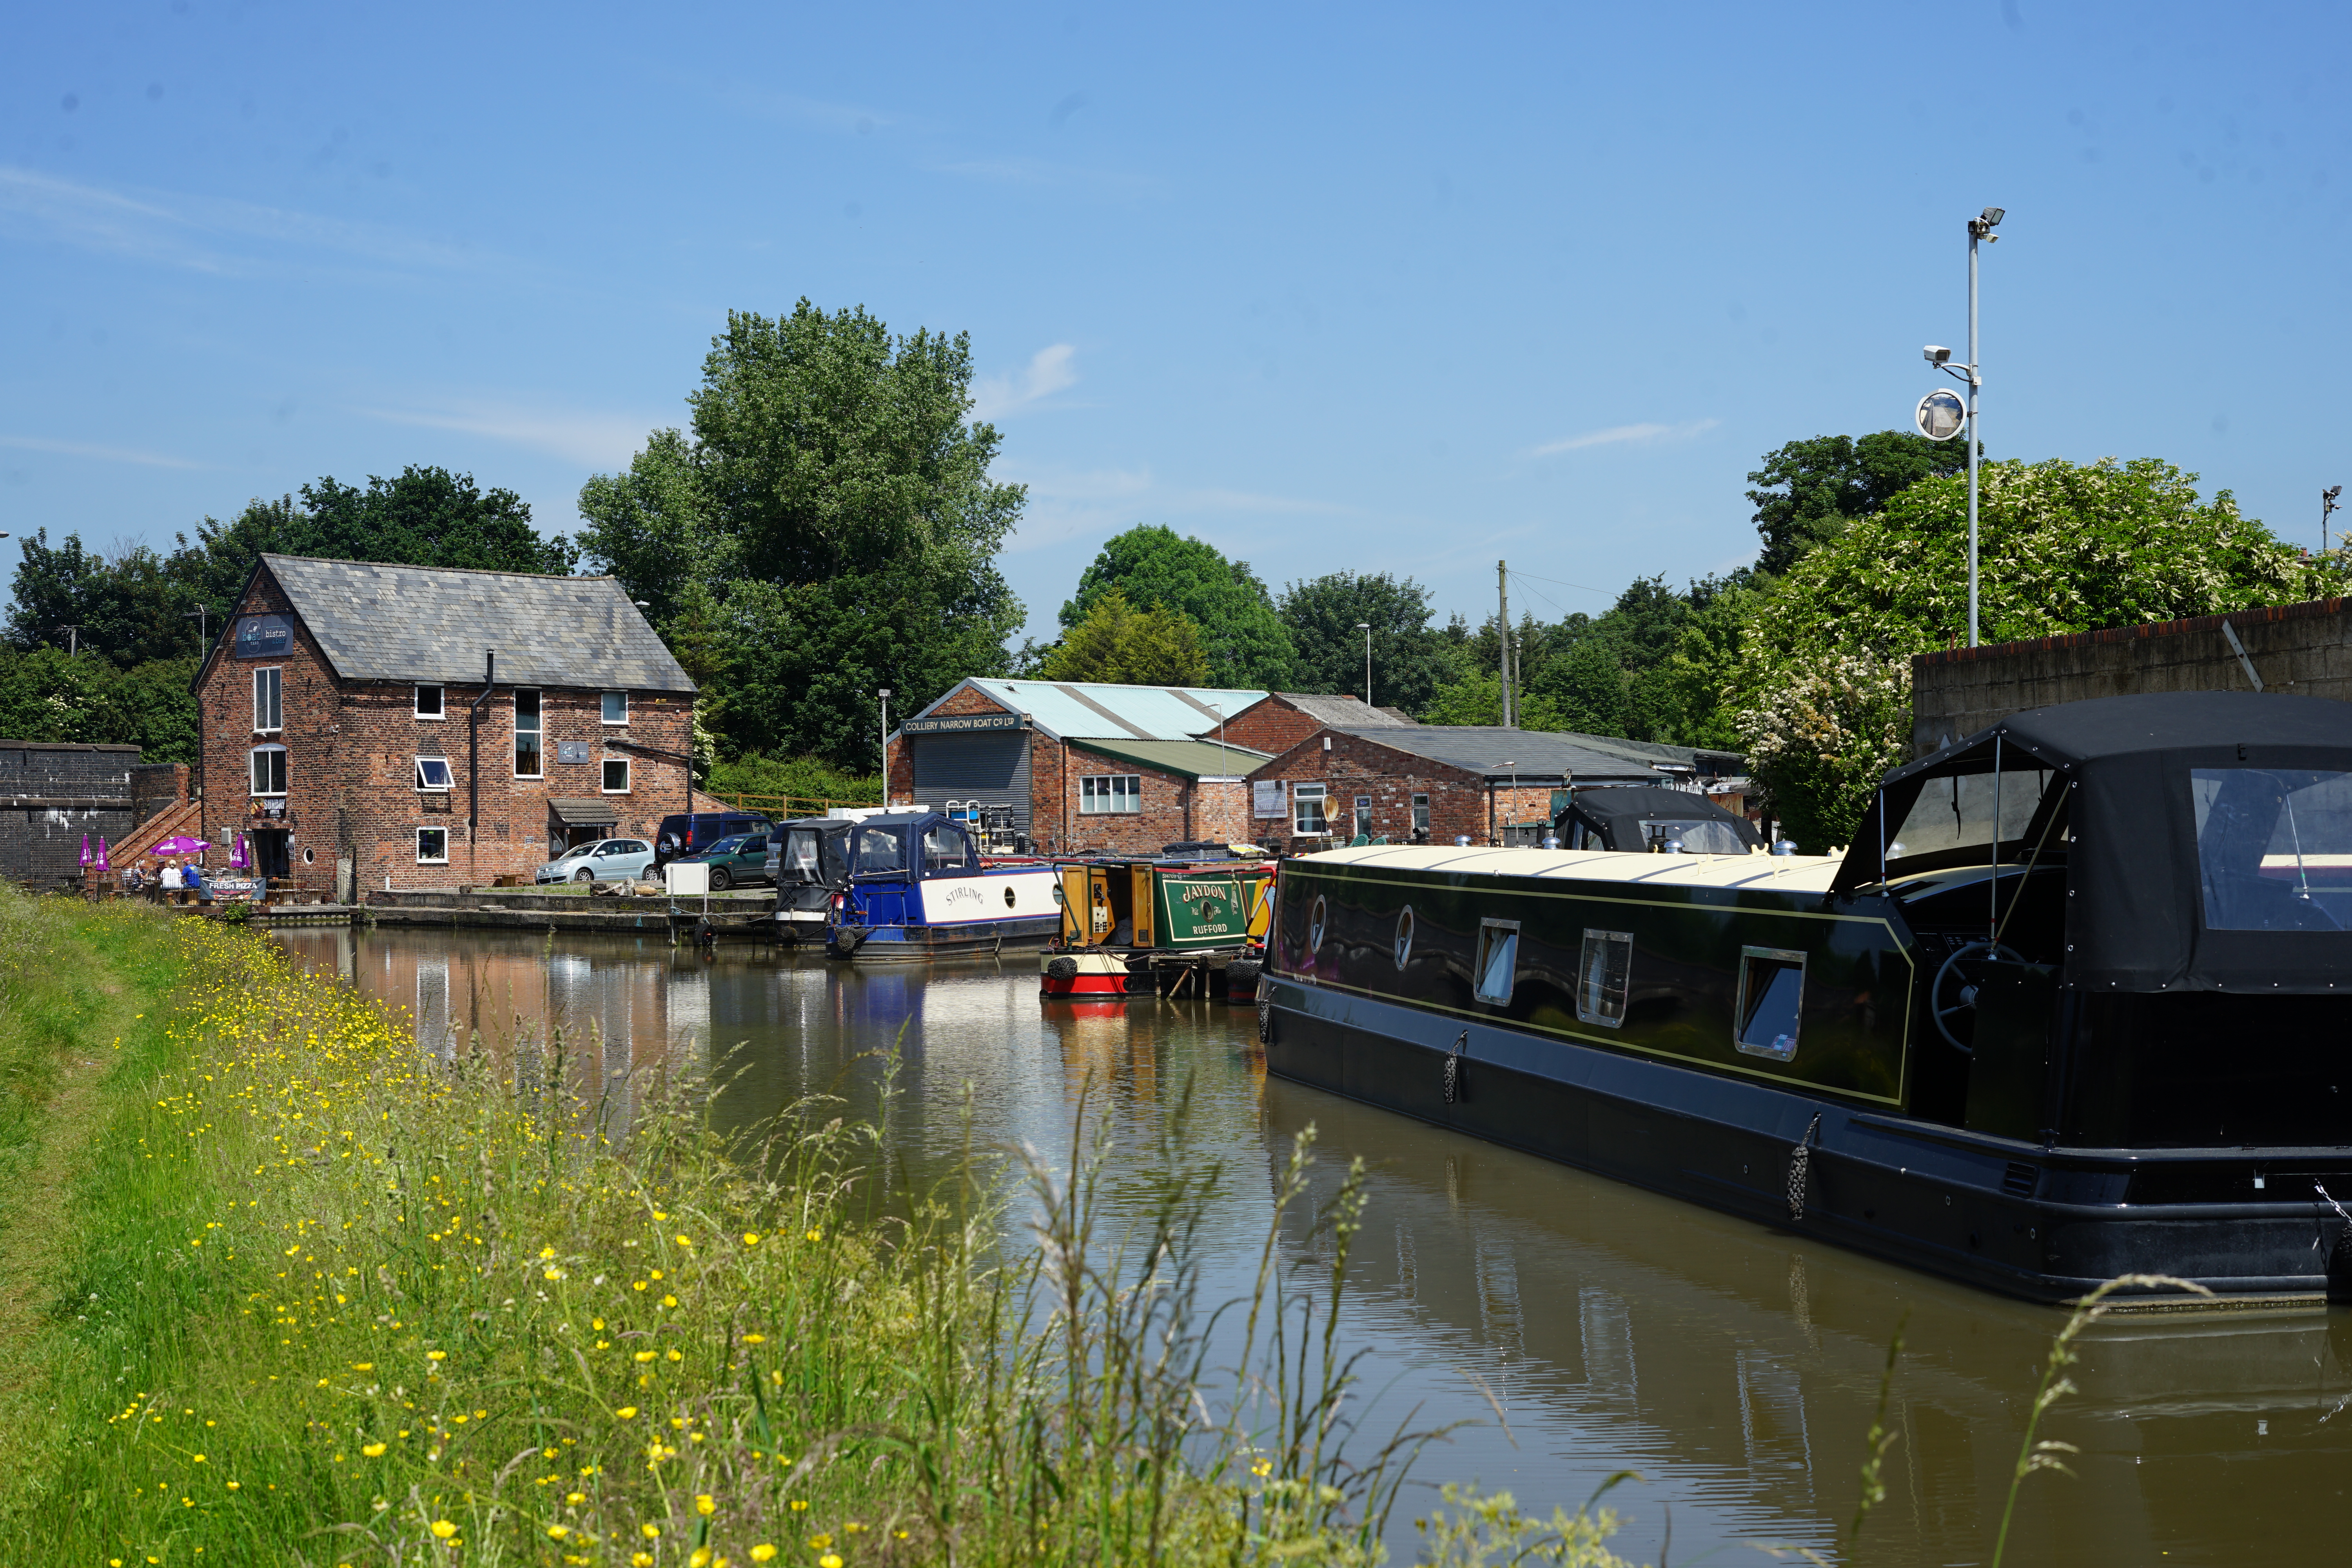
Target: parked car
point(683, 834)
point(603, 861)
point(734, 862)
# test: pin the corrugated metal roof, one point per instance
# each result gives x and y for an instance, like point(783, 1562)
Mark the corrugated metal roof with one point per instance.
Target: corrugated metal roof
point(1193, 759)
point(1538, 754)
point(1066, 709)
point(429, 624)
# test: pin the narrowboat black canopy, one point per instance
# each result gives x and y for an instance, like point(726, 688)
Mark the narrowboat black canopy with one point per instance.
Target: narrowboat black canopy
point(2205, 836)
point(1622, 815)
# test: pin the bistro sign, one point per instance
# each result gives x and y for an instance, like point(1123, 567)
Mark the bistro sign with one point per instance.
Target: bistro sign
point(960, 723)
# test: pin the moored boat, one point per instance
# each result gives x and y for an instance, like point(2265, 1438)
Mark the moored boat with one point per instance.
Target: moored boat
point(2071, 1006)
point(1122, 918)
point(915, 886)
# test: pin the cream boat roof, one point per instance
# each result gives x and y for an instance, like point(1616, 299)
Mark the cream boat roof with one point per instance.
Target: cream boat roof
point(1797, 873)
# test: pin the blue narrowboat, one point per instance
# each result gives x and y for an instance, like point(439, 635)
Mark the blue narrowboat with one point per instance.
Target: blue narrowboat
point(916, 887)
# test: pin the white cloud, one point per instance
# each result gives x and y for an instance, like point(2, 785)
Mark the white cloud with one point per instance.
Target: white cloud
point(1050, 371)
point(97, 453)
point(1621, 435)
point(204, 233)
point(592, 440)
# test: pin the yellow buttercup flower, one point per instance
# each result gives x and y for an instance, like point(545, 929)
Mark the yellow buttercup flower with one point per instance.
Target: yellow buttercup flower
point(751, 1239)
point(763, 1552)
point(653, 1531)
point(830, 1560)
point(443, 1530)
point(816, 1236)
point(706, 1505)
point(372, 1450)
point(626, 1413)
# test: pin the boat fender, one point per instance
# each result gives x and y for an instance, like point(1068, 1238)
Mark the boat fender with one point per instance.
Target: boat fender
point(1453, 1068)
point(1242, 969)
point(1266, 1016)
point(1062, 968)
point(1800, 1164)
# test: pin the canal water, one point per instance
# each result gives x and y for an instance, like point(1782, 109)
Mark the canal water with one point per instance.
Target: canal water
point(1733, 1367)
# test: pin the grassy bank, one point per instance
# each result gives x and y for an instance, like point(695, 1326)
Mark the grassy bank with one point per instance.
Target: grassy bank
point(324, 1302)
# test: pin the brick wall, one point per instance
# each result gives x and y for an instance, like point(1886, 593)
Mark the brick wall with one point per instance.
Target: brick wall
point(1272, 725)
point(1354, 766)
point(351, 758)
point(51, 797)
point(1052, 793)
point(898, 765)
point(2305, 649)
point(157, 787)
point(1175, 809)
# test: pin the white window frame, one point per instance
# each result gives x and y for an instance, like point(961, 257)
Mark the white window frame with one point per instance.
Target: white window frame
point(626, 774)
point(253, 774)
point(440, 702)
point(536, 731)
point(1420, 813)
point(270, 679)
point(607, 707)
point(1100, 794)
point(1300, 796)
point(440, 859)
point(447, 772)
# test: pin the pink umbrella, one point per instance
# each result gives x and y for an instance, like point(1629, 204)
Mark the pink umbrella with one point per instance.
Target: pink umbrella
point(179, 845)
point(101, 856)
point(85, 848)
point(237, 859)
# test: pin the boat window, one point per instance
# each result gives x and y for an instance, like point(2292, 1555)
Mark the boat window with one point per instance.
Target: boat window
point(944, 849)
point(1499, 959)
point(2274, 848)
point(879, 849)
point(1316, 915)
point(1956, 811)
point(1404, 937)
point(1603, 976)
point(1707, 837)
point(1771, 994)
point(800, 854)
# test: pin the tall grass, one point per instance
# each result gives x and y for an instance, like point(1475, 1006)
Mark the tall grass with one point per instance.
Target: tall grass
point(333, 1302)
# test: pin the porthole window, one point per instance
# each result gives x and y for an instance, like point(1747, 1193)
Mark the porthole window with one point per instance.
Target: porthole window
point(1404, 937)
point(1316, 915)
point(309, 856)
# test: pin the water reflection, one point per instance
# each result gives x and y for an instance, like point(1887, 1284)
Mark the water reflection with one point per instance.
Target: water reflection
point(1733, 1366)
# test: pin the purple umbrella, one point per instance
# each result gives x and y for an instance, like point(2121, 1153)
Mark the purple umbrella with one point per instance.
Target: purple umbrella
point(85, 848)
point(101, 856)
point(237, 859)
point(179, 845)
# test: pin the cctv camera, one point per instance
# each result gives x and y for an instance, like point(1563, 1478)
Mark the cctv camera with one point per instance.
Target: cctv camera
point(1937, 355)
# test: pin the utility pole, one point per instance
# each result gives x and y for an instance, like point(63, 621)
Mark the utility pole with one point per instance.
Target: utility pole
point(1979, 227)
point(1366, 628)
point(73, 640)
point(885, 694)
point(2326, 504)
point(1502, 624)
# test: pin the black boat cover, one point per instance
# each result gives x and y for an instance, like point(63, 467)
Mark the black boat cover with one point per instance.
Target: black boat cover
point(2207, 835)
point(1622, 814)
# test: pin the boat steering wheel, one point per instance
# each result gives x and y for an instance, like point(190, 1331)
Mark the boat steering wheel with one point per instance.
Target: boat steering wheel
point(1952, 999)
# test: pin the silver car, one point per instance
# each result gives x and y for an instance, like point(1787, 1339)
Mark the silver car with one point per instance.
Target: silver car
point(605, 860)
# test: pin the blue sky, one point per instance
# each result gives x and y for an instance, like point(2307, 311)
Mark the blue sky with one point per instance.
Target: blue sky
point(1330, 287)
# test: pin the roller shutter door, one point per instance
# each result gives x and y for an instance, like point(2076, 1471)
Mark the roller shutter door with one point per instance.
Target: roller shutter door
point(990, 767)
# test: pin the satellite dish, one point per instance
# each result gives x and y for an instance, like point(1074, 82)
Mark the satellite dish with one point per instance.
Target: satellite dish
point(1940, 415)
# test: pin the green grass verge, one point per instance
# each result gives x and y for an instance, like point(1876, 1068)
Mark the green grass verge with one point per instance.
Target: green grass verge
point(323, 1301)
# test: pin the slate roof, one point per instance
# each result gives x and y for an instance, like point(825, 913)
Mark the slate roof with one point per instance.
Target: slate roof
point(1341, 711)
point(1194, 760)
point(1066, 710)
point(430, 624)
point(1539, 754)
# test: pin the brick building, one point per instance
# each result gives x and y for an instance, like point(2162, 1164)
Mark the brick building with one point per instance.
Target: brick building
point(54, 796)
point(1280, 719)
point(1083, 766)
point(355, 727)
point(1436, 783)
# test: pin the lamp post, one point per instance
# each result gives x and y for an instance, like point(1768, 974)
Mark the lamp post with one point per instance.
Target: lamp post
point(1366, 628)
point(2326, 504)
point(1981, 228)
point(885, 694)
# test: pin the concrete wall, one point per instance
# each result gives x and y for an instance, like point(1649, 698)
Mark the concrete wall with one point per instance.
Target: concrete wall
point(2305, 649)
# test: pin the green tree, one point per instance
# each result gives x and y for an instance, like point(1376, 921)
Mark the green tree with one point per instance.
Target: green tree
point(46, 695)
point(1154, 645)
point(1246, 642)
point(1808, 491)
point(1824, 653)
point(1322, 615)
point(827, 527)
point(127, 609)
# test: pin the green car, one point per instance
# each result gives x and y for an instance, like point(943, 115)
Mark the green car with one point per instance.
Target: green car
point(736, 862)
